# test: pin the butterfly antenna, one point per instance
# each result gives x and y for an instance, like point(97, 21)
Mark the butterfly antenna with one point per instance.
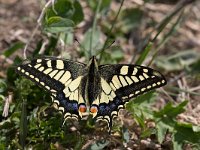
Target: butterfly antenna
point(82, 47)
point(102, 50)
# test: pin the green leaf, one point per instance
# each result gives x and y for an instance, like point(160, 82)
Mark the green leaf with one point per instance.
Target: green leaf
point(95, 41)
point(58, 24)
point(141, 105)
point(171, 111)
point(112, 55)
point(166, 119)
point(162, 127)
point(129, 19)
point(146, 99)
point(51, 47)
point(78, 15)
point(195, 69)
point(104, 6)
point(67, 38)
point(12, 49)
point(185, 133)
point(3, 86)
point(66, 9)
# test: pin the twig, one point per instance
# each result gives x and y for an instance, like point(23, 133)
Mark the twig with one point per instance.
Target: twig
point(42, 49)
point(8, 100)
point(195, 88)
point(166, 93)
point(30, 39)
point(39, 20)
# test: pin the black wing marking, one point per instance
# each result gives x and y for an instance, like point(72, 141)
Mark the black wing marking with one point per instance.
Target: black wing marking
point(120, 83)
point(59, 77)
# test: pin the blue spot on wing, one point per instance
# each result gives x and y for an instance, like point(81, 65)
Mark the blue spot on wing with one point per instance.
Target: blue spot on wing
point(70, 106)
point(107, 109)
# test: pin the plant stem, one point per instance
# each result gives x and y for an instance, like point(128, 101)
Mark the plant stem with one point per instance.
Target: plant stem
point(94, 26)
point(105, 44)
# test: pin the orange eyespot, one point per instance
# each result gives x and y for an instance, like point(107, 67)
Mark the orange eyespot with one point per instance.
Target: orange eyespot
point(82, 108)
point(93, 109)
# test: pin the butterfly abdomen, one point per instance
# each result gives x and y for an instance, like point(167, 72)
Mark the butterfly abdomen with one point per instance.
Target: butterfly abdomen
point(93, 81)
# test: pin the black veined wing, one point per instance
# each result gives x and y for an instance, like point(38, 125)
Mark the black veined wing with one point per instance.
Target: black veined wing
point(120, 83)
point(61, 78)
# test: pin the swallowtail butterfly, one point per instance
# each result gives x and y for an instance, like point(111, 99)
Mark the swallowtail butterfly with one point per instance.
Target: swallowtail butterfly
point(105, 88)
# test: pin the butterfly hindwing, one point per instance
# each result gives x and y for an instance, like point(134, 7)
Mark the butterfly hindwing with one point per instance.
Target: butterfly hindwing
point(120, 83)
point(59, 77)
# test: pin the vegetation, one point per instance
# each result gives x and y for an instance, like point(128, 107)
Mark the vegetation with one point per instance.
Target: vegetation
point(116, 32)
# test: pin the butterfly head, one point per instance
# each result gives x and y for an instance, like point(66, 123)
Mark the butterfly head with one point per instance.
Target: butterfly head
point(93, 62)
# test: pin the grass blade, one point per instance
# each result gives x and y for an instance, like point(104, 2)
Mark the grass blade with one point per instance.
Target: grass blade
point(23, 124)
point(144, 54)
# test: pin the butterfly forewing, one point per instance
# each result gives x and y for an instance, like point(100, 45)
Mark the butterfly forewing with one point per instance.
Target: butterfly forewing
point(59, 77)
point(129, 81)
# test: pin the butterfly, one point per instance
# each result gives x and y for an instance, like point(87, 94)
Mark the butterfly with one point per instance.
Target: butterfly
point(105, 88)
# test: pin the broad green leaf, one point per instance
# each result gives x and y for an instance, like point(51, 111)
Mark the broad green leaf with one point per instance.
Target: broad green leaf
point(129, 19)
point(67, 38)
point(112, 55)
point(104, 6)
point(166, 118)
point(177, 145)
point(66, 9)
point(162, 127)
point(184, 133)
point(146, 99)
point(171, 111)
point(116, 53)
point(62, 8)
point(51, 47)
point(58, 24)
point(141, 105)
point(94, 39)
point(195, 69)
point(78, 15)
